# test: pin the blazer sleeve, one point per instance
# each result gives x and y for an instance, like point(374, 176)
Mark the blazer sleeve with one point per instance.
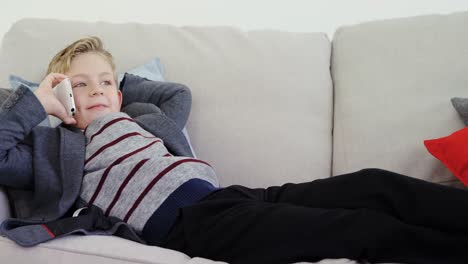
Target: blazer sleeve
point(19, 113)
point(173, 99)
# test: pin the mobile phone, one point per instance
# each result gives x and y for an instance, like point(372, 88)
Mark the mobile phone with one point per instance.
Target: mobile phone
point(63, 92)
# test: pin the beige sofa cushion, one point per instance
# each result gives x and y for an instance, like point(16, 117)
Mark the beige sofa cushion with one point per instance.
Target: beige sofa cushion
point(104, 250)
point(393, 82)
point(262, 100)
point(93, 249)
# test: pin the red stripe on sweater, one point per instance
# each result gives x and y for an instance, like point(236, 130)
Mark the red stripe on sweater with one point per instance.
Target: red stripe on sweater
point(117, 161)
point(115, 141)
point(124, 184)
point(48, 230)
point(154, 181)
point(108, 124)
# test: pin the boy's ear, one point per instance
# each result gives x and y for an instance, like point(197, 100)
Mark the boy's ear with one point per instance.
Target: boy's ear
point(119, 94)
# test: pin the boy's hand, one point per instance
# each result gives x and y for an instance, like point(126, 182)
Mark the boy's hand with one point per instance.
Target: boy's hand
point(48, 99)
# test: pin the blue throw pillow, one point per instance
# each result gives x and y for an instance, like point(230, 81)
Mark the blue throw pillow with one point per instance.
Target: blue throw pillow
point(16, 81)
point(152, 70)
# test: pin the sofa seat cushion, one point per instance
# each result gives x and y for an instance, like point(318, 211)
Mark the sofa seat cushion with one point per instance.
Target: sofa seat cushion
point(104, 249)
point(92, 249)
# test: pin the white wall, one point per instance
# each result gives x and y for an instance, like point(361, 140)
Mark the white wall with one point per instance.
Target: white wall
point(290, 15)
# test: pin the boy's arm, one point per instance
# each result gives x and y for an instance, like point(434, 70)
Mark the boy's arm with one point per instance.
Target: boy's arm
point(19, 113)
point(174, 100)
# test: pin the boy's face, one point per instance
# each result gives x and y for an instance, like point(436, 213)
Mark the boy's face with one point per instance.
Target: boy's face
point(94, 88)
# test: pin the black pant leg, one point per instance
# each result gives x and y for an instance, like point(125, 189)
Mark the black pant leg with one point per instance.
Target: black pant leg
point(411, 200)
point(250, 231)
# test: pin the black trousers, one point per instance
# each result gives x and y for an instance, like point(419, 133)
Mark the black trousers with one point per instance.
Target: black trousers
point(369, 215)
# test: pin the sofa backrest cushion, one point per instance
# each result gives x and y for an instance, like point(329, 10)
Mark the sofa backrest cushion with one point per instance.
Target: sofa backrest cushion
point(262, 100)
point(393, 82)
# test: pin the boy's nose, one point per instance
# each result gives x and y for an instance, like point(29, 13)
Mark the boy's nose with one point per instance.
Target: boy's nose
point(94, 92)
point(96, 89)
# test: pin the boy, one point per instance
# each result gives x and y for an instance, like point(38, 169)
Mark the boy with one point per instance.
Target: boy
point(372, 214)
point(128, 172)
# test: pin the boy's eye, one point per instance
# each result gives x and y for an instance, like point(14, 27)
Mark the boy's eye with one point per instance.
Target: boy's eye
point(83, 84)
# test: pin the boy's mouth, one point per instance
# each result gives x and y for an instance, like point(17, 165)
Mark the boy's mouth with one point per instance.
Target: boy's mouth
point(97, 107)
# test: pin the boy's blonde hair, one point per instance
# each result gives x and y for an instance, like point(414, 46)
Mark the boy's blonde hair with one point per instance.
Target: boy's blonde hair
point(61, 62)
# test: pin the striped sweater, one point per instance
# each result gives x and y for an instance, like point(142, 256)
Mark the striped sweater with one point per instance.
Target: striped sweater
point(130, 174)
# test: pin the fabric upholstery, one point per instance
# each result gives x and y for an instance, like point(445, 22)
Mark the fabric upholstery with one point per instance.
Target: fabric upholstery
point(251, 90)
point(393, 80)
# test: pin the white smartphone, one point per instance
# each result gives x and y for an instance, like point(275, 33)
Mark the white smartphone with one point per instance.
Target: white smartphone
point(64, 93)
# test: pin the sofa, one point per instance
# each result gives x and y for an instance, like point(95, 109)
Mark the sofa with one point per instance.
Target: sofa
point(271, 107)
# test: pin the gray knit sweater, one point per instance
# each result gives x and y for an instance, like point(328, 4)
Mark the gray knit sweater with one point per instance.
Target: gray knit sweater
point(129, 173)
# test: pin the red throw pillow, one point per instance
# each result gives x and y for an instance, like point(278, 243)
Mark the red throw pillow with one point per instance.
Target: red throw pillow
point(452, 151)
